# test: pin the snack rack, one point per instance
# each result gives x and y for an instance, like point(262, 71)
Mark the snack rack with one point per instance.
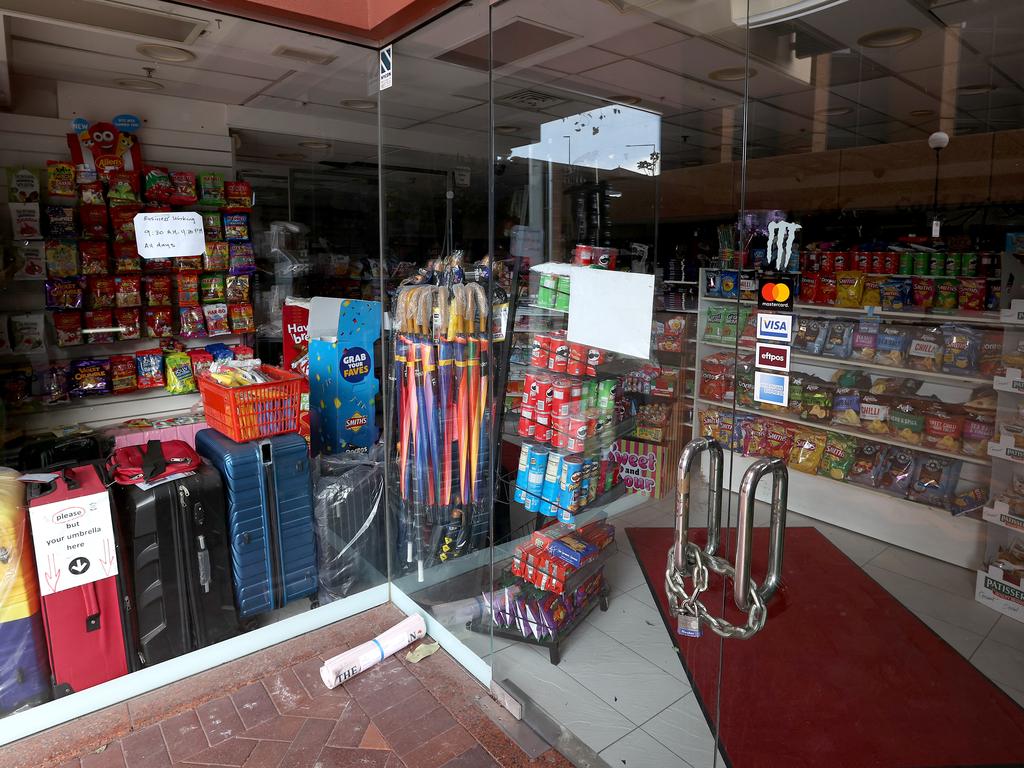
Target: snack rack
point(486, 625)
point(945, 532)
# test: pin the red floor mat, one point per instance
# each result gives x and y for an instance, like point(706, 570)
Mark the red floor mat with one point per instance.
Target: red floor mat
point(841, 675)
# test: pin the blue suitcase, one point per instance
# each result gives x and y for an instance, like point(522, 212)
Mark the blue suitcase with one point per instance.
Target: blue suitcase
point(270, 518)
point(25, 669)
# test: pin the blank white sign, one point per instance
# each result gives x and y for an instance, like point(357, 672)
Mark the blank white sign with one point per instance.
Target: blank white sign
point(611, 310)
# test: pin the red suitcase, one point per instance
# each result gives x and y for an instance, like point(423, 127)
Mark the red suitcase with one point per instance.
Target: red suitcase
point(87, 627)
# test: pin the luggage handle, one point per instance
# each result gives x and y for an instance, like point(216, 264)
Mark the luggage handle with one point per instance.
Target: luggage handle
point(153, 463)
point(92, 606)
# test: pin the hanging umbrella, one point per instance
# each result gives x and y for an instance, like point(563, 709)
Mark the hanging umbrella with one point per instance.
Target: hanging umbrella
point(479, 524)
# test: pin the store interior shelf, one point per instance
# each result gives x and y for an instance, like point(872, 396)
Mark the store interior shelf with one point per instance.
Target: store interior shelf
point(837, 362)
point(999, 514)
point(995, 319)
point(532, 310)
point(983, 461)
point(680, 282)
point(679, 311)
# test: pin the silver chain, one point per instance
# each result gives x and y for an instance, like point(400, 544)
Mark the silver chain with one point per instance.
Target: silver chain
point(682, 602)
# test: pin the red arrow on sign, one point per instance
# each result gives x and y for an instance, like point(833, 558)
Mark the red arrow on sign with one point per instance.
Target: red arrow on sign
point(108, 559)
point(52, 574)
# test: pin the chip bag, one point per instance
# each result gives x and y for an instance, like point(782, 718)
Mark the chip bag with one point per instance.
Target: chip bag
point(934, 480)
point(837, 457)
point(867, 463)
point(897, 471)
point(807, 450)
point(179, 375)
point(849, 288)
point(924, 352)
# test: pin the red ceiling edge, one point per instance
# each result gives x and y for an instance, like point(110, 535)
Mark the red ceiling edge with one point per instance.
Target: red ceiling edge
point(367, 22)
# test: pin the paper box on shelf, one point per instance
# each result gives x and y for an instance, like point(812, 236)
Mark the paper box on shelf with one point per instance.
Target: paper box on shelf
point(643, 468)
point(343, 384)
point(999, 595)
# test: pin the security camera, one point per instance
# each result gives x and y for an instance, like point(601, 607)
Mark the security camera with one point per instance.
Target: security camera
point(938, 140)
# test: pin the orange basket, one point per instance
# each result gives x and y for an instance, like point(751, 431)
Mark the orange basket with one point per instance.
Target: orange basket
point(255, 410)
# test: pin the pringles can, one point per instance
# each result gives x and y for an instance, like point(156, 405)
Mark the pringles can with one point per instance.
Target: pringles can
point(546, 290)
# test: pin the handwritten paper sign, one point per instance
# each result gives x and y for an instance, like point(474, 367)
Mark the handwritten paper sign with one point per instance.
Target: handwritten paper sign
point(73, 542)
point(167, 235)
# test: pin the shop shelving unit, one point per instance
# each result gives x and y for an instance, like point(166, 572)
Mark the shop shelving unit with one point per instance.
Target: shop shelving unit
point(929, 530)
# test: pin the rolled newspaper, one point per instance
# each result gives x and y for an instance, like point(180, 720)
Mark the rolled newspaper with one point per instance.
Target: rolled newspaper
point(347, 665)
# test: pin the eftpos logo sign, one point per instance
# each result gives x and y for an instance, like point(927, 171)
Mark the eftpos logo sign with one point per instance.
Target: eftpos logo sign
point(774, 357)
point(387, 68)
point(775, 327)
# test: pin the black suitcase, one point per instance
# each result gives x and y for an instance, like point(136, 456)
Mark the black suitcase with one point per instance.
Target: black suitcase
point(50, 452)
point(177, 539)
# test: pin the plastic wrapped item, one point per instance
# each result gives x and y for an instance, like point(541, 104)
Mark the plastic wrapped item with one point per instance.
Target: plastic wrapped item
point(349, 512)
point(25, 672)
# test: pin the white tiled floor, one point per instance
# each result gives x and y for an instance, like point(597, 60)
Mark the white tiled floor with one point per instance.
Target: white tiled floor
point(621, 689)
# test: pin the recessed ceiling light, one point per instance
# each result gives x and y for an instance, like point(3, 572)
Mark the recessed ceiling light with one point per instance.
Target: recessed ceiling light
point(166, 53)
point(506, 129)
point(290, 156)
point(731, 74)
point(975, 90)
point(364, 104)
point(834, 111)
point(315, 144)
point(139, 84)
point(922, 112)
point(890, 38)
point(631, 100)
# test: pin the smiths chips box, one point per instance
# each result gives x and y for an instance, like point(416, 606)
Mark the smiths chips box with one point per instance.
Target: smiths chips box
point(343, 383)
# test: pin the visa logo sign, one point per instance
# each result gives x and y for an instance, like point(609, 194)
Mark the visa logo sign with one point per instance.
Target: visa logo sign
point(775, 327)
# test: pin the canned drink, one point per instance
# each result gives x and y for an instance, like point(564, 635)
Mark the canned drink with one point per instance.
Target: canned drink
point(539, 350)
point(969, 264)
point(936, 264)
point(583, 255)
point(562, 294)
point(953, 264)
point(906, 263)
point(561, 396)
point(546, 290)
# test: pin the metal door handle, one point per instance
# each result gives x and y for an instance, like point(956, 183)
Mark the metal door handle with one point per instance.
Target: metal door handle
point(745, 529)
point(691, 453)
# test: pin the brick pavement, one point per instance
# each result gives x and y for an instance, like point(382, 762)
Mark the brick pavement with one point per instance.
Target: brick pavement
point(271, 710)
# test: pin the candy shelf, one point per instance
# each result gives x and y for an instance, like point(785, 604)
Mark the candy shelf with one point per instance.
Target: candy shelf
point(837, 362)
point(847, 431)
point(485, 625)
point(995, 319)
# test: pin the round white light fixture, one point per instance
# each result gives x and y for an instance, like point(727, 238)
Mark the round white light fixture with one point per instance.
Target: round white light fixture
point(166, 53)
point(506, 130)
point(296, 156)
point(732, 74)
point(363, 104)
point(834, 111)
point(892, 37)
point(630, 100)
point(315, 144)
point(977, 89)
point(139, 84)
point(938, 140)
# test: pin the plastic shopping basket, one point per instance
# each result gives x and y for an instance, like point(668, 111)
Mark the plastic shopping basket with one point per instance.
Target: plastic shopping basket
point(256, 410)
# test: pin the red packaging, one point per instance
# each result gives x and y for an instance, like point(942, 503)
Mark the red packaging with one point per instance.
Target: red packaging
point(94, 257)
point(561, 396)
point(583, 255)
point(68, 326)
point(541, 394)
point(157, 290)
point(184, 192)
point(102, 291)
point(157, 265)
point(558, 437)
point(530, 389)
point(122, 187)
point(188, 289)
point(538, 350)
point(188, 264)
point(122, 222)
point(826, 290)
point(809, 288)
point(595, 357)
point(716, 377)
point(923, 289)
point(99, 318)
point(778, 438)
point(201, 360)
point(527, 425)
point(295, 330)
point(238, 194)
point(840, 261)
point(558, 356)
point(123, 376)
point(577, 364)
point(129, 290)
point(126, 258)
point(877, 262)
point(891, 262)
point(971, 293)
point(861, 261)
point(94, 222)
point(159, 322)
point(542, 433)
point(128, 320)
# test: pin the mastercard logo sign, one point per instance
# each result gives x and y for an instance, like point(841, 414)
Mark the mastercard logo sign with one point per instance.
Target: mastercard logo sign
point(779, 292)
